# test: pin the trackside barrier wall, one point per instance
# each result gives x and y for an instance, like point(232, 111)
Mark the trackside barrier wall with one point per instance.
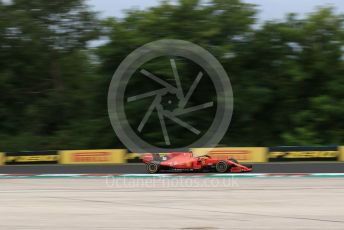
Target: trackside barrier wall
point(2, 158)
point(242, 154)
point(341, 153)
point(31, 157)
point(118, 156)
point(98, 156)
point(303, 153)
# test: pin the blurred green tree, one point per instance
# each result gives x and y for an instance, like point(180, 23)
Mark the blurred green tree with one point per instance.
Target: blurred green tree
point(45, 72)
point(217, 26)
point(287, 75)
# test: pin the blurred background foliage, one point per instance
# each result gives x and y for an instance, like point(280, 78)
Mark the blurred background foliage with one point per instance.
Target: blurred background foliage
point(287, 76)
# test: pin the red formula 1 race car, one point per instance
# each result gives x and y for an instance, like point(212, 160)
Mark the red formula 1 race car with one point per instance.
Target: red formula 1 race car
point(185, 161)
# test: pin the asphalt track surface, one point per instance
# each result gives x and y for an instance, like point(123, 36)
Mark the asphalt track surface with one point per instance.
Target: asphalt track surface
point(290, 167)
point(180, 203)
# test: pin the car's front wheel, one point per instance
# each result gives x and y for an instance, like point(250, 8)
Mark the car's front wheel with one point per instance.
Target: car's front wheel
point(152, 167)
point(222, 167)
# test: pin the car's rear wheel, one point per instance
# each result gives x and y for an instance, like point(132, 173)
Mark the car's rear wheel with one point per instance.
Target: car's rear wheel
point(222, 167)
point(152, 167)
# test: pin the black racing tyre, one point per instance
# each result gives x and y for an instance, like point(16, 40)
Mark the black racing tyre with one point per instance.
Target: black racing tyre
point(222, 167)
point(152, 167)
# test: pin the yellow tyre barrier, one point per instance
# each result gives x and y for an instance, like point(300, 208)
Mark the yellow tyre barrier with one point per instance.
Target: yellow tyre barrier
point(99, 156)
